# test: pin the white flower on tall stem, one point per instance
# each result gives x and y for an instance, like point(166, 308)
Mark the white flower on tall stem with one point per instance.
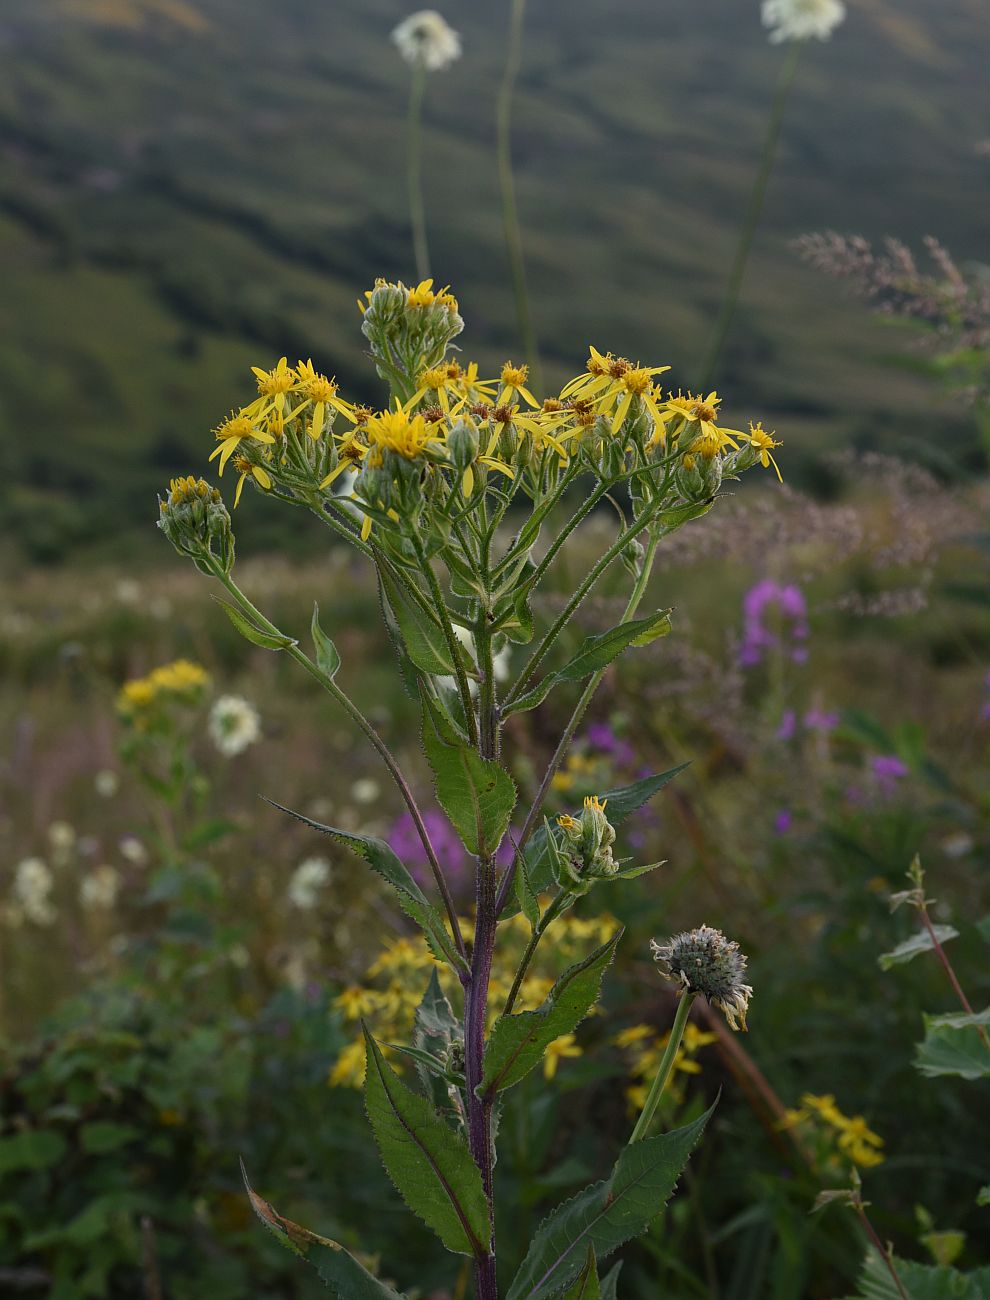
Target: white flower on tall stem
point(307, 881)
point(425, 39)
point(234, 725)
point(98, 890)
point(33, 883)
point(800, 20)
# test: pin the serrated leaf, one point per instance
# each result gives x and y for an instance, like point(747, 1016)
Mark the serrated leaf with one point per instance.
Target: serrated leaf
point(327, 658)
point(435, 1028)
point(915, 946)
point(429, 1062)
point(921, 1281)
point(424, 639)
point(953, 1045)
point(528, 903)
point(518, 1042)
point(430, 1164)
point(412, 900)
point(587, 1286)
point(251, 633)
point(478, 795)
point(607, 1214)
point(595, 654)
point(346, 1278)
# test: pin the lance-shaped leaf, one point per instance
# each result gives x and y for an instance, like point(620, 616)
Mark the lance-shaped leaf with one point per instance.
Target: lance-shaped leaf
point(622, 802)
point(423, 637)
point(954, 1045)
point(587, 1286)
point(435, 1028)
point(412, 900)
point(346, 1278)
point(610, 1282)
point(518, 1042)
point(607, 1214)
point(478, 795)
point(596, 653)
point(327, 658)
point(915, 946)
point(430, 1164)
point(526, 899)
point(249, 632)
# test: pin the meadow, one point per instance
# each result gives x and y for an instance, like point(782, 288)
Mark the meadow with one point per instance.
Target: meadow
point(191, 982)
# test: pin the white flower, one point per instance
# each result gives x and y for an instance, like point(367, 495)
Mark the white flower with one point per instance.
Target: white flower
point(799, 20)
point(234, 724)
point(133, 850)
point(366, 790)
point(307, 879)
point(33, 883)
point(99, 889)
point(426, 39)
point(106, 783)
point(61, 836)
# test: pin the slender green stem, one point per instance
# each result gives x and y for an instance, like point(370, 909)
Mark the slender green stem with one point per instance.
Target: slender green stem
point(666, 1066)
point(753, 212)
point(557, 905)
point(574, 722)
point(348, 705)
point(507, 185)
point(452, 642)
point(417, 209)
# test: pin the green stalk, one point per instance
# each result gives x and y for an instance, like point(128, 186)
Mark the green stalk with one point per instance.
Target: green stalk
point(417, 209)
point(507, 185)
point(666, 1066)
point(557, 906)
point(753, 212)
point(452, 643)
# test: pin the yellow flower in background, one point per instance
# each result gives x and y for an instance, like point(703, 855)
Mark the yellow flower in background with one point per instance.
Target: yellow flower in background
point(349, 1068)
point(355, 1002)
point(181, 679)
point(840, 1138)
point(560, 1049)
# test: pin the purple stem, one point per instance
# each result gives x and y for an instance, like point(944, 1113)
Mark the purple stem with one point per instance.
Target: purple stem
point(480, 1109)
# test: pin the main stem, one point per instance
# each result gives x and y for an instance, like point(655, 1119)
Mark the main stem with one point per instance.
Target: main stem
point(510, 215)
point(666, 1066)
point(753, 212)
point(417, 210)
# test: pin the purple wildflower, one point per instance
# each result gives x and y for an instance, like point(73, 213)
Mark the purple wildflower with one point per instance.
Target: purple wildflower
point(783, 822)
point(887, 771)
point(600, 736)
point(404, 840)
point(820, 720)
point(788, 725)
point(791, 621)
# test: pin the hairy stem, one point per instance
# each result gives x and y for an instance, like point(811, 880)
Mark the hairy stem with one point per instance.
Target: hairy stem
point(510, 215)
point(753, 212)
point(666, 1066)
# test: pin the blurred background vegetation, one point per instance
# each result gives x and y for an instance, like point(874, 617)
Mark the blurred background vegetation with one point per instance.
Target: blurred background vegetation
point(188, 187)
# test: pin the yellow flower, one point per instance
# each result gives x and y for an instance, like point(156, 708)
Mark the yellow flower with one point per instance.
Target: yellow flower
point(558, 1050)
point(632, 1035)
point(182, 677)
point(350, 1067)
point(246, 470)
point(232, 432)
point(709, 438)
point(277, 382)
point(395, 431)
point(422, 295)
point(355, 1002)
point(763, 444)
point(514, 381)
point(322, 392)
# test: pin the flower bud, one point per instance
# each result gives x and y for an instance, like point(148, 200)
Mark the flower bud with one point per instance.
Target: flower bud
point(632, 557)
point(586, 848)
point(195, 520)
point(705, 961)
point(462, 444)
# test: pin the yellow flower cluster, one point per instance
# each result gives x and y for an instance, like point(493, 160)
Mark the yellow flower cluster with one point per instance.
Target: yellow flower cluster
point(840, 1139)
point(645, 1048)
point(394, 984)
point(180, 680)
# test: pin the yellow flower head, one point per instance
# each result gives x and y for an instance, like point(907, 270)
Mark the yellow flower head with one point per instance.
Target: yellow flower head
point(276, 382)
point(188, 489)
point(422, 295)
point(317, 387)
point(396, 431)
point(763, 443)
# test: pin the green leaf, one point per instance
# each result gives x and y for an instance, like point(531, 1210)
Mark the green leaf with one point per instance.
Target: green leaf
point(953, 1045)
point(102, 1135)
point(429, 1163)
point(478, 795)
point(921, 1281)
point(529, 904)
point(254, 634)
point(610, 1282)
point(596, 653)
point(435, 1028)
point(412, 900)
point(607, 1214)
point(983, 1195)
point(345, 1277)
point(587, 1286)
point(33, 1149)
point(423, 637)
point(517, 1042)
point(327, 658)
point(915, 946)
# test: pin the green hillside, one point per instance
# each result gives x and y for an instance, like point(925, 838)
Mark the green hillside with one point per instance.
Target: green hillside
point(187, 188)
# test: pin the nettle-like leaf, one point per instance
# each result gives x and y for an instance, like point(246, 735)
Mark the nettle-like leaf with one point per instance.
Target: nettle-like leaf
point(622, 802)
point(596, 653)
point(249, 632)
point(435, 1028)
point(327, 657)
point(478, 795)
point(430, 1164)
point(607, 1214)
point(587, 1286)
point(915, 946)
point(921, 1281)
point(954, 1045)
point(346, 1278)
point(423, 638)
point(518, 1042)
point(412, 900)
point(526, 899)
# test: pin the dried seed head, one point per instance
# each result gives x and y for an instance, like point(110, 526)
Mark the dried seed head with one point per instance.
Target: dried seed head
point(705, 961)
